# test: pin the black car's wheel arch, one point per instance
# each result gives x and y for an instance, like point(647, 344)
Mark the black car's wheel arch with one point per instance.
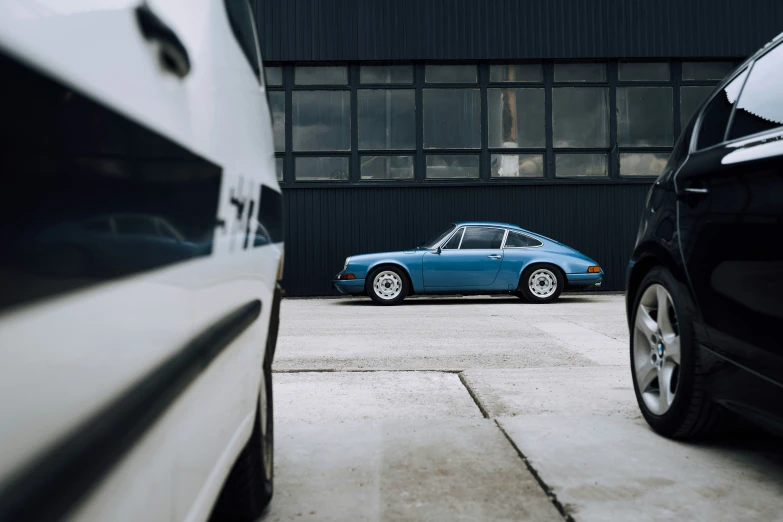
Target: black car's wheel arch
point(375, 268)
point(646, 257)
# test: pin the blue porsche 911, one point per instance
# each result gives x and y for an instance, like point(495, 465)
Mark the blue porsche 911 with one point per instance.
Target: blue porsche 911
point(472, 258)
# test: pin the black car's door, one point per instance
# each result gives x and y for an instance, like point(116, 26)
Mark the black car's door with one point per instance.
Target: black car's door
point(730, 209)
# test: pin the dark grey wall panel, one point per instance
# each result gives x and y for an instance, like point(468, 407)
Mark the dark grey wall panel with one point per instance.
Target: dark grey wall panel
point(325, 225)
point(347, 30)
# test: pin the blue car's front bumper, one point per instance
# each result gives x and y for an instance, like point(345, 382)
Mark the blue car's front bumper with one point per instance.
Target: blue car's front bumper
point(349, 286)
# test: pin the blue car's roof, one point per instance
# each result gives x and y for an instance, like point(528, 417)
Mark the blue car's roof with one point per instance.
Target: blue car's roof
point(488, 224)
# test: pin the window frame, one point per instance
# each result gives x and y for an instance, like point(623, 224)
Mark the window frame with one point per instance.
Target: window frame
point(502, 242)
point(706, 103)
point(520, 233)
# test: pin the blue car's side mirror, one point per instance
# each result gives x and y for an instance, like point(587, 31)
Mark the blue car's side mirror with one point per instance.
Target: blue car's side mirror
point(439, 250)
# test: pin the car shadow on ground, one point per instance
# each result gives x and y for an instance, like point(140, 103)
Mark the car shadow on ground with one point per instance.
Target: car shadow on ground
point(457, 300)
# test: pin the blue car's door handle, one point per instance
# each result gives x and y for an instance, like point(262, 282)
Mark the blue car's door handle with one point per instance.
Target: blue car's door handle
point(495, 256)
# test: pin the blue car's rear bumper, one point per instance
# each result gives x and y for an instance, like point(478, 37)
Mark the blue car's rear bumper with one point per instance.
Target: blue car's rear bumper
point(585, 279)
point(349, 286)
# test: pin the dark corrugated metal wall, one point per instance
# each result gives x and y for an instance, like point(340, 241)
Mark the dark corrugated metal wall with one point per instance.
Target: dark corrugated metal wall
point(325, 225)
point(348, 30)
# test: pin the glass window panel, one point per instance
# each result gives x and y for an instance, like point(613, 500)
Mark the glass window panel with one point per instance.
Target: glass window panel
point(516, 117)
point(454, 242)
point(452, 118)
point(321, 120)
point(580, 117)
point(386, 74)
point(387, 167)
point(517, 166)
point(274, 75)
point(643, 163)
point(706, 71)
point(480, 238)
point(322, 169)
point(530, 72)
point(645, 116)
point(716, 115)
point(450, 73)
point(761, 106)
point(690, 99)
point(580, 72)
point(644, 72)
point(581, 165)
point(277, 108)
point(387, 119)
point(279, 168)
point(517, 240)
point(324, 75)
point(452, 166)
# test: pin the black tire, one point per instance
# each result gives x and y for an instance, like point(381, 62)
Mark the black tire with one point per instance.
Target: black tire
point(523, 289)
point(691, 415)
point(369, 285)
point(250, 484)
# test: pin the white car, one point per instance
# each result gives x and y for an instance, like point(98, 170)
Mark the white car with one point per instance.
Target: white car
point(135, 362)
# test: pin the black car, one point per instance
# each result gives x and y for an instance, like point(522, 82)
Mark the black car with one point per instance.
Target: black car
point(705, 282)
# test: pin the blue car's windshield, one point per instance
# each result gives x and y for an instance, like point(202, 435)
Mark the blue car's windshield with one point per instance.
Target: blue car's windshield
point(437, 239)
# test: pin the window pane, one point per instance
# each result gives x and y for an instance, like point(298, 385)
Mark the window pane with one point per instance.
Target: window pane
point(454, 241)
point(476, 238)
point(516, 117)
point(761, 106)
point(322, 169)
point(517, 166)
point(580, 117)
point(580, 165)
point(703, 71)
point(387, 119)
point(716, 115)
point(277, 108)
point(649, 72)
point(645, 116)
point(274, 75)
point(516, 240)
point(642, 163)
point(452, 118)
point(580, 72)
point(516, 73)
point(452, 166)
point(387, 167)
point(450, 73)
point(386, 74)
point(690, 99)
point(321, 120)
point(321, 75)
point(279, 168)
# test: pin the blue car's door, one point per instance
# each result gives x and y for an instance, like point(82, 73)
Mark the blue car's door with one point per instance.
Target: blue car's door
point(470, 264)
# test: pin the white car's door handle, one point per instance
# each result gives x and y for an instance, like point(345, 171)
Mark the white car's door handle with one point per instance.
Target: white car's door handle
point(495, 256)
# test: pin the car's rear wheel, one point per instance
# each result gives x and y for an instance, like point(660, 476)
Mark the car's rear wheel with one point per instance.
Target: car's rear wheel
point(541, 283)
point(387, 285)
point(249, 486)
point(665, 363)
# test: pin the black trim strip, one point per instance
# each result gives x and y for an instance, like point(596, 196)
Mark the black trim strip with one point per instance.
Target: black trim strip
point(58, 479)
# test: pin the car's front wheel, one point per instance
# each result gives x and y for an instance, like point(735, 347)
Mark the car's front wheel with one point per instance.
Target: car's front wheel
point(541, 284)
point(387, 285)
point(665, 363)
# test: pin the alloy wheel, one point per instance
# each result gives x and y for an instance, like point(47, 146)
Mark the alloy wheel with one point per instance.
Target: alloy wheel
point(387, 285)
point(542, 283)
point(656, 349)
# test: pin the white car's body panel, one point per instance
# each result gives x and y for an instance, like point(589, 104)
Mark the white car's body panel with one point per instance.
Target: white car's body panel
point(65, 358)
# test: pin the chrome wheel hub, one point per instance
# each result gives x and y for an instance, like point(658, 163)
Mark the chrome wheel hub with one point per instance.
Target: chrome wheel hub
point(387, 285)
point(542, 283)
point(656, 349)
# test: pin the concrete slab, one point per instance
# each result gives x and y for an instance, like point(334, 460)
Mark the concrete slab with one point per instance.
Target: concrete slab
point(604, 390)
point(411, 470)
point(344, 396)
point(613, 468)
point(448, 333)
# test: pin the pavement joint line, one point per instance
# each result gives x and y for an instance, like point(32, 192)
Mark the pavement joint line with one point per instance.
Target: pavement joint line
point(548, 490)
point(363, 370)
point(474, 396)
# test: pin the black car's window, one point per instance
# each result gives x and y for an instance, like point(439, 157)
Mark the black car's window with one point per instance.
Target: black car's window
point(517, 240)
point(716, 116)
point(482, 238)
point(761, 105)
point(453, 243)
point(240, 15)
point(132, 226)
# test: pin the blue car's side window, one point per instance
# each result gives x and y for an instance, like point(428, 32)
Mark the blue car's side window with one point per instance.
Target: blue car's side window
point(516, 240)
point(455, 240)
point(482, 238)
